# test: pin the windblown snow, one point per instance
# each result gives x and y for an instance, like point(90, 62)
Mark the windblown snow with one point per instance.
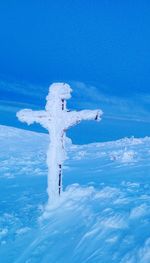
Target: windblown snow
point(104, 213)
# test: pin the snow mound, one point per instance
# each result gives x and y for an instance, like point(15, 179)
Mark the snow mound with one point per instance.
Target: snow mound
point(104, 212)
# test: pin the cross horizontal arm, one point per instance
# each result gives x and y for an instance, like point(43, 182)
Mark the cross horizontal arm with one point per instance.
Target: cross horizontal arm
point(30, 116)
point(75, 117)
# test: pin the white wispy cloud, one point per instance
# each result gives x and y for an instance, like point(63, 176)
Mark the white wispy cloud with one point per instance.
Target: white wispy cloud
point(22, 88)
point(133, 108)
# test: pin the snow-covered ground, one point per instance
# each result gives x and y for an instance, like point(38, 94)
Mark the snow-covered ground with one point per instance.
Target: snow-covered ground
point(104, 214)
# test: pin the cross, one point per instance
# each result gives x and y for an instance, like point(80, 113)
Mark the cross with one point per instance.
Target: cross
point(57, 119)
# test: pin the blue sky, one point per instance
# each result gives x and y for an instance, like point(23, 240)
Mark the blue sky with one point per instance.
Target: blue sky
point(102, 48)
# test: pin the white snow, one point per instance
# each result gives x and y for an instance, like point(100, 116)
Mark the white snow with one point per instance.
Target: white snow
point(124, 156)
point(104, 211)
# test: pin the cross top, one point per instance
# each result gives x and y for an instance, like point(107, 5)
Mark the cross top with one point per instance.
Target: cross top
point(59, 90)
point(57, 119)
point(58, 93)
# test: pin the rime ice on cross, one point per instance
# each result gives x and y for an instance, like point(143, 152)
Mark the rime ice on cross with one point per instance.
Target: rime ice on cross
point(57, 119)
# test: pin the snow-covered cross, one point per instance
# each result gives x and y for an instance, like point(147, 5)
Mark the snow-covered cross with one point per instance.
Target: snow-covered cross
point(57, 119)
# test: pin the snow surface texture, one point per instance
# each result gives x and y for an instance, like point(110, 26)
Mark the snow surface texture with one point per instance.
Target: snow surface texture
point(104, 215)
point(57, 119)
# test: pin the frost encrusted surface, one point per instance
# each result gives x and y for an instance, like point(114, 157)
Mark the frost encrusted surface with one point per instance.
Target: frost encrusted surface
point(57, 119)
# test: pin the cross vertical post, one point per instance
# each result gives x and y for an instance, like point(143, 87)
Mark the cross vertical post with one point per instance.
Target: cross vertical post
point(57, 119)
